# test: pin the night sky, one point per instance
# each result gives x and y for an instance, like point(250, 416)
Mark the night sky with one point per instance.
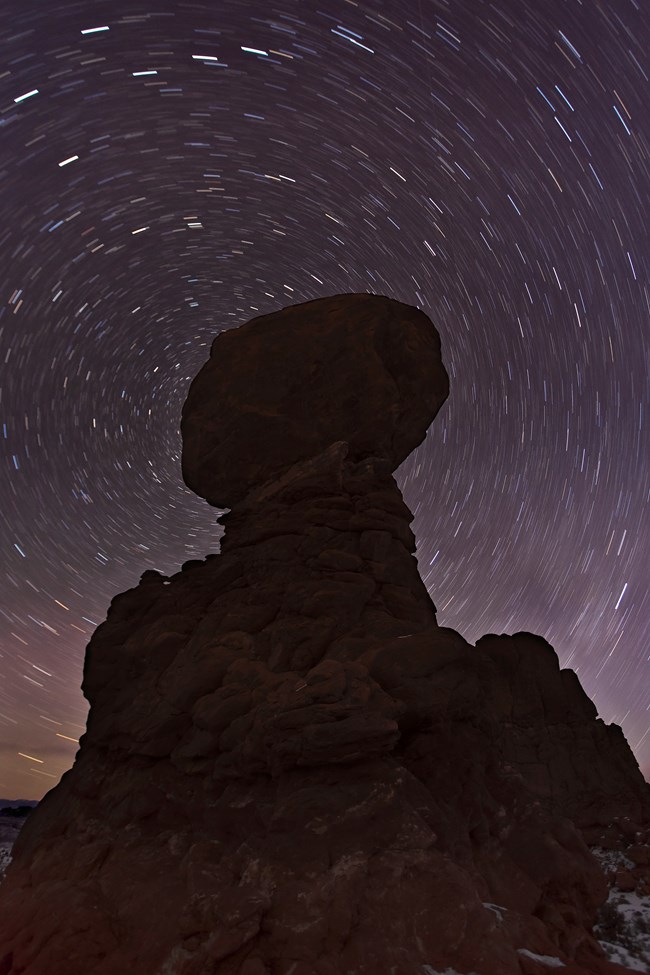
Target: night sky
point(172, 169)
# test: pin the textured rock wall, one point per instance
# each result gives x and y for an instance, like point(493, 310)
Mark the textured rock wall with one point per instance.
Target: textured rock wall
point(289, 768)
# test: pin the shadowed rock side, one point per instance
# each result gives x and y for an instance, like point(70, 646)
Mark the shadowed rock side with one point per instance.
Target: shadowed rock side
point(289, 768)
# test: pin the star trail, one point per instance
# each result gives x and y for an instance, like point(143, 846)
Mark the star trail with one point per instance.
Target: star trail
point(172, 169)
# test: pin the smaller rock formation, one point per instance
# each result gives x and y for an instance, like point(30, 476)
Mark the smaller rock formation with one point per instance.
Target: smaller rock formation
point(289, 768)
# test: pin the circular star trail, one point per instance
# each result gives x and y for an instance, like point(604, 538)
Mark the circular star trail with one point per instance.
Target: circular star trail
point(173, 169)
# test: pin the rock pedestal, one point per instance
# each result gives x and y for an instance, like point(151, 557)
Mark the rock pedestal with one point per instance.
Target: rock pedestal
point(289, 768)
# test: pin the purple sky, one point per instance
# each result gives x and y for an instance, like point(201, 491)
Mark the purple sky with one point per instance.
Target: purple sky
point(170, 169)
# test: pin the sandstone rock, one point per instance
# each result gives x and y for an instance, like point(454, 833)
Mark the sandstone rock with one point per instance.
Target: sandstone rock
point(552, 734)
point(624, 880)
point(356, 368)
point(639, 855)
point(289, 768)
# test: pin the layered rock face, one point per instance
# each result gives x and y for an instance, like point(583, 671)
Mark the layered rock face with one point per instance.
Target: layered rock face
point(289, 768)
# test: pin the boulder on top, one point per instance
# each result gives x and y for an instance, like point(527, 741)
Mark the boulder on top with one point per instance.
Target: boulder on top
point(358, 368)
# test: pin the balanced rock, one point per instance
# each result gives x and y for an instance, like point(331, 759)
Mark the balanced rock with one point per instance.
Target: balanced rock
point(356, 368)
point(289, 768)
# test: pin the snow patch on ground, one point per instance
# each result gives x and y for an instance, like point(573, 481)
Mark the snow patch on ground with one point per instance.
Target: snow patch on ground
point(622, 957)
point(9, 830)
point(498, 910)
point(548, 960)
point(623, 923)
point(5, 858)
point(611, 859)
point(428, 970)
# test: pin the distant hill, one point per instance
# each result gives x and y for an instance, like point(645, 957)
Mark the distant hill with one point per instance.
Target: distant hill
point(17, 802)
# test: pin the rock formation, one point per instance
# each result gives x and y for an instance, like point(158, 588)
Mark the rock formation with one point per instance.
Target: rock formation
point(289, 768)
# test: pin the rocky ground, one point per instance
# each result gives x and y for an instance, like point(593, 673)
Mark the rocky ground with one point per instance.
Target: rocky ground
point(10, 826)
point(623, 927)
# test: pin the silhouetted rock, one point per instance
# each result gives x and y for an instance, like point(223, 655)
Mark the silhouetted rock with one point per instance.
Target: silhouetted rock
point(281, 389)
point(289, 767)
point(570, 760)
